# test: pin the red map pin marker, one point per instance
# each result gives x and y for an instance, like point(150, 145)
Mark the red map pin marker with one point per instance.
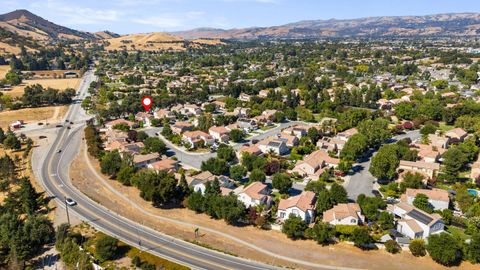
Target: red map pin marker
point(147, 102)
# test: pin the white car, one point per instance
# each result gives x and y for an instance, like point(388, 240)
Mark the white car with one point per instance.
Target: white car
point(70, 202)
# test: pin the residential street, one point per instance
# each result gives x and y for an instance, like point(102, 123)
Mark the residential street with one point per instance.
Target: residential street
point(362, 182)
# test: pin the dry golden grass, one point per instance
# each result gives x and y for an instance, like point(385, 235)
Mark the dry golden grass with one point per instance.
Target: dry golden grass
point(208, 41)
point(52, 114)
point(146, 42)
point(60, 84)
point(3, 70)
point(8, 49)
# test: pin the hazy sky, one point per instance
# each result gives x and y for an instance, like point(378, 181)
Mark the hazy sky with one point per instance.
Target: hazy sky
point(133, 16)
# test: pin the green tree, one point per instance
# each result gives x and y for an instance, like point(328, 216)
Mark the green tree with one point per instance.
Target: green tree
point(236, 135)
point(444, 249)
point(384, 164)
point(111, 163)
point(294, 227)
point(453, 160)
point(216, 166)
point(428, 129)
point(338, 194)
point(106, 248)
point(421, 202)
point(282, 182)
point(155, 145)
point(473, 249)
point(361, 238)
point(376, 131)
point(354, 148)
point(323, 233)
point(385, 220)
point(12, 142)
point(226, 152)
point(237, 172)
point(324, 202)
point(417, 247)
point(257, 176)
point(411, 180)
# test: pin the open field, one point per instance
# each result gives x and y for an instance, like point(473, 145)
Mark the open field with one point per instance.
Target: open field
point(51, 114)
point(342, 254)
point(3, 70)
point(60, 84)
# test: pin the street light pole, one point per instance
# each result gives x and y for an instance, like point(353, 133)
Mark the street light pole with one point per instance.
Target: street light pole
point(66, 209)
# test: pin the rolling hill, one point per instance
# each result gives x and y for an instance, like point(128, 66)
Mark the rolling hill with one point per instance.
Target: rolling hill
point(454, 24)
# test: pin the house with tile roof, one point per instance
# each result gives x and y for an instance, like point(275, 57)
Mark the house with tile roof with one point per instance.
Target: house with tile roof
point(274, 144)
point(415, 223)
point(345, 135)
point(219, 133)
point(167, 165)
point(302, 205)
point(181, 127)
point(425, 168)
point(141, 161)
point(456, 135)
point(111, 124)
point(438, 198)
point(198, 182)
point(344, 214)
point(197, 138)
point(255, 194)
point(312, 165)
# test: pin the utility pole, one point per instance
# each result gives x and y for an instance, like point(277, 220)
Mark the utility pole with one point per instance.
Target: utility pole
point(66, 209)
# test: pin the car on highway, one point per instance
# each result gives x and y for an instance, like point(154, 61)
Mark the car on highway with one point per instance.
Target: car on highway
point(70, 202)
point(59, 151)
point(58, 126)
point(42, 137)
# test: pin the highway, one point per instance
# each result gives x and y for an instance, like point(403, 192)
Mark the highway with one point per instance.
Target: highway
point(54, 176)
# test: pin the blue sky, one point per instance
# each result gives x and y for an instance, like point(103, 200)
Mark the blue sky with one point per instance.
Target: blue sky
point(136, 16)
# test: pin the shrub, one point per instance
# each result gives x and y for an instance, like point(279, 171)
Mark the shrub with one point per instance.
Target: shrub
point(417, 247)
point(392, 246)
point(444, 249)
point(106, 248)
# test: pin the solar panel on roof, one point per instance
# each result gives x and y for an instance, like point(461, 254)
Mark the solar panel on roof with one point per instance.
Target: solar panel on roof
point(425, 219)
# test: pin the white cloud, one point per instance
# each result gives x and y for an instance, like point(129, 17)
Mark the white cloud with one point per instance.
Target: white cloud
point(76, 15)
point(170, 21)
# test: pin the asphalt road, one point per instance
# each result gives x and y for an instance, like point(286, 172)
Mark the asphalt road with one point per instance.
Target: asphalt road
point(194, 160)
point(362, 182)
point(54, 176)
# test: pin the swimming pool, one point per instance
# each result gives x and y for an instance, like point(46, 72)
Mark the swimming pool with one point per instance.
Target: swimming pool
point(474, 192)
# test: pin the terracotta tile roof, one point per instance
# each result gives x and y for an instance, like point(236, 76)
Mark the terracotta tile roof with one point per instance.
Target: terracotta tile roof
point(147, 157)
point(341, 211)
point(456, 133)
point(433, 194)
point(420, 164)
point(219, 129)
point(305, 201)
point(254, 190)
point(165, 164)
point(251, 149)
point(119, 121)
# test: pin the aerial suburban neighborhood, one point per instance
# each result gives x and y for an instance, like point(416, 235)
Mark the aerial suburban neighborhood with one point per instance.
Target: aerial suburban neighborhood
point(322, 144)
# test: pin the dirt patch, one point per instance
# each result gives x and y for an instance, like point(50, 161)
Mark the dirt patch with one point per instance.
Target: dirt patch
point(339, 255)
point(59, 84)
point(4, 69)
point(32, 115)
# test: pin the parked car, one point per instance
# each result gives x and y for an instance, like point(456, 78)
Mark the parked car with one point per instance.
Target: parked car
point(70, 202)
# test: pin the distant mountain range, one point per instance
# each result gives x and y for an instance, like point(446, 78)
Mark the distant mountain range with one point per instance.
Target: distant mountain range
point(23, 28)
point(27, 24)
point(454, 24)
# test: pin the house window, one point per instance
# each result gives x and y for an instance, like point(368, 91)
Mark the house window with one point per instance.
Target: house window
point(282, 214)
point(353, 221)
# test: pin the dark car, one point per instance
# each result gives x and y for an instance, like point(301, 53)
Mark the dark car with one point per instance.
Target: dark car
point(58, 126)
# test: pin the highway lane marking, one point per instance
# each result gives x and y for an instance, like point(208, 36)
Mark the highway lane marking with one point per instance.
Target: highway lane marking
point(144, 231)
point(61, 141)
